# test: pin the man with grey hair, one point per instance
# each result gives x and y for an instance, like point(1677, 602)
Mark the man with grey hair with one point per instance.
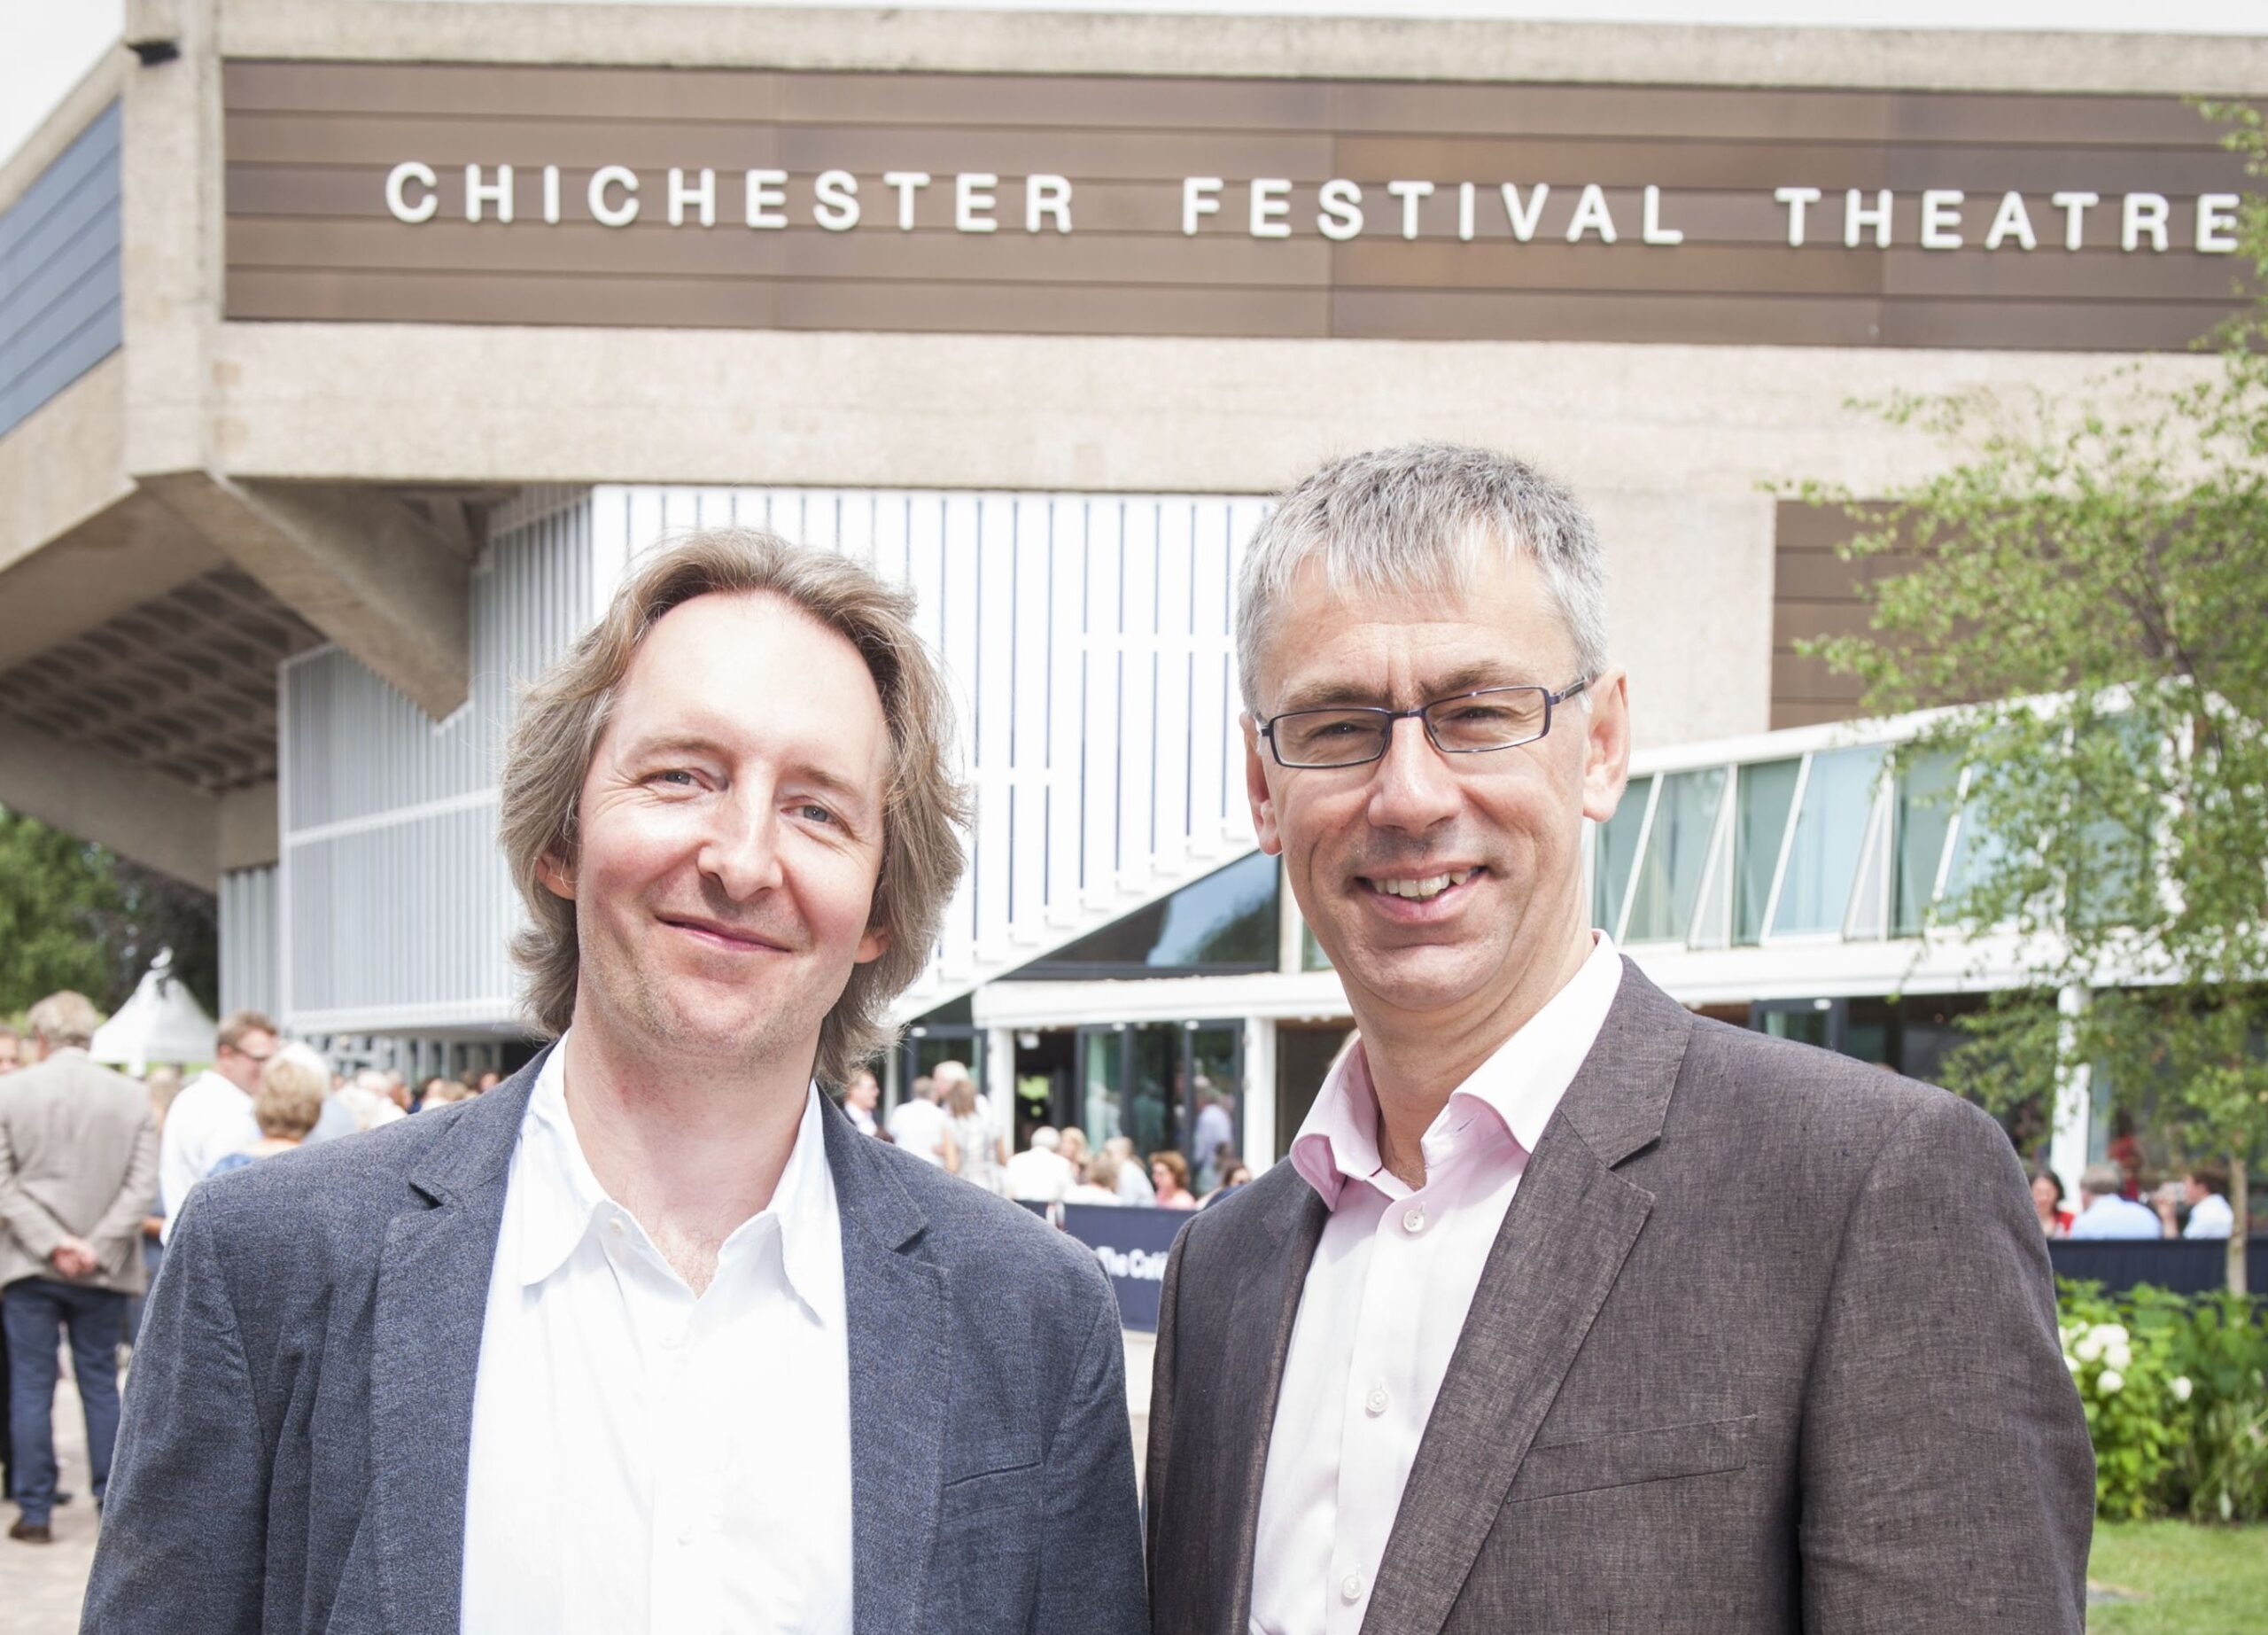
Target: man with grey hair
point(649, 1338)
point(78, 1172)
point(1569, 1310)
point(2105, 1212)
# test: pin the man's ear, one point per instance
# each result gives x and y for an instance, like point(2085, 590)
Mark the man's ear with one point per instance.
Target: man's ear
point(873, 945)
point(1256, 791)
point(558, 878)
point(1606, 745)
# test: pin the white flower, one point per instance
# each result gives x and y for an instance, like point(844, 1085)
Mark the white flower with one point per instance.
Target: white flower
point(2070, 1362)
point(2111, 1382)
point(2089, 1349)
point(2111, 1334)
point(2182, 1388)
point(2119, 1356)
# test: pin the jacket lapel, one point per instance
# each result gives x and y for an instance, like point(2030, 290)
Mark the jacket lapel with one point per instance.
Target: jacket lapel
point(1571, 1225)
point(900, 1367)
point(432, 1301)
point(1261, 1314)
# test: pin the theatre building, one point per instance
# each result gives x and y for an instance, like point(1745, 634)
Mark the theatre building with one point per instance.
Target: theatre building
point(349, 353)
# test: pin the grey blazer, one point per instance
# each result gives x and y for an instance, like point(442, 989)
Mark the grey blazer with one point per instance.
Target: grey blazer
point(1766, 1343)
point(78, 1157)
point(297, 1422)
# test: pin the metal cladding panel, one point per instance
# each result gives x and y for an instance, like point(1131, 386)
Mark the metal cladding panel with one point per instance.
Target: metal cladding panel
point(398, 907)
point(60, 309)
point(248, 940)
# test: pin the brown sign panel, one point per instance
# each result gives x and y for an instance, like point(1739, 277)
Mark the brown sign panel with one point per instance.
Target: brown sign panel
point(742, 198)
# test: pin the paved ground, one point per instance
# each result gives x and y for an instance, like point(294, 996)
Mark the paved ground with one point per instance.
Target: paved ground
point(41, 1585)
point(39, 1588)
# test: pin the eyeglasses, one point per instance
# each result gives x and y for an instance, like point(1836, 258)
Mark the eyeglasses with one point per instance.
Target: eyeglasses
point(1474, 723)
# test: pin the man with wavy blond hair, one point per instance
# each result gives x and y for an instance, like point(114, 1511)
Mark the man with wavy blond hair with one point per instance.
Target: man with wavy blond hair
point(649, 1338)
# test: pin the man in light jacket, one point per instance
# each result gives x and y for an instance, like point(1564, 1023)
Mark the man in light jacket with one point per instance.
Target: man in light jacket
point(78, 1174)
point(648, 1338)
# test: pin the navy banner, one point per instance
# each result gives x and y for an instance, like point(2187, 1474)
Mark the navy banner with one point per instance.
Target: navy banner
point(1131, 1243)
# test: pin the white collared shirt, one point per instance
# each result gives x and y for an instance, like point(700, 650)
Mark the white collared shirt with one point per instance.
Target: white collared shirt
point(2211, 1218)
point(642, 1460)
point(1386, 1299)
point(209, 1119)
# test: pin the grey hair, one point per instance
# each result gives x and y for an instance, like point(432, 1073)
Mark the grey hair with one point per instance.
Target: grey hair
point(2102, 1180)
point(1418, 517)
point(64, 1020)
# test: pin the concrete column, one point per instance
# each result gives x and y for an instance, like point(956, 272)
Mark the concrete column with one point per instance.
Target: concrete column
point(2067, 1148)
point(1000, 1081)
point(1258, 1139)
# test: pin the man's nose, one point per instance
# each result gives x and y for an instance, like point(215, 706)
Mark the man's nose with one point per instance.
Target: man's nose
point(741, 851)
point(1412, 785)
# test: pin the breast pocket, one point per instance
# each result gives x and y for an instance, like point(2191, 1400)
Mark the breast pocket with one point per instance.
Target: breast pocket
point(1628, 1457)
point(987, 1565)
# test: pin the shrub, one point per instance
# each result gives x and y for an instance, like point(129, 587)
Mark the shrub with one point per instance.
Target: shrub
point(2176, 1394)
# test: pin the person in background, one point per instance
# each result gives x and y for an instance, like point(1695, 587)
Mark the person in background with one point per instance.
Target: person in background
point(2104, 1213)
point(368, 1096)
point(78, 1167)
point(2047, 1202)
point(212, 1117)
point(1169, 1174)
point(2206, 1189)
point(972, 1151)
point(918, 1123)
point(164, 1086)
point(860, 1097)
point(1215, 1133)
point(11, 1050)
point(487, 1082)
point(1235, 1172)
point(1133, 1183)
point(1039, 1174)
point(1100, 1184)
point(1075, 1150)
point(292, 1089)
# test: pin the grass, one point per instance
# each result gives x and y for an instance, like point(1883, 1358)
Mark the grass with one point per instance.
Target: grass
point(2190, 1580)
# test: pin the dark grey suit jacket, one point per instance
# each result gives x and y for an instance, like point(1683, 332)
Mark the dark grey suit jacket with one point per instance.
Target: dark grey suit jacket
point(1766, 1343)
point(299, 1420)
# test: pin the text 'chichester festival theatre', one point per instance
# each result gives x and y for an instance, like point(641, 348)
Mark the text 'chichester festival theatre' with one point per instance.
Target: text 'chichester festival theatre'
point(839, 202)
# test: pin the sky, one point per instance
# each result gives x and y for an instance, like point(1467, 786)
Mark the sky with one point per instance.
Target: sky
point(47, 46)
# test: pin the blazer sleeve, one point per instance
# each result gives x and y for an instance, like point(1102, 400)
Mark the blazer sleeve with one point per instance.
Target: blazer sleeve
point(1090, 1555)
point(184, 1523)
point(1947, 1479)
point(21, 1213)
point(1155, 1480)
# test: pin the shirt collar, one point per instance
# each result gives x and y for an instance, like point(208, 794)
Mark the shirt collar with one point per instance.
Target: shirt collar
point(564, 1201)
point(1510, 1095)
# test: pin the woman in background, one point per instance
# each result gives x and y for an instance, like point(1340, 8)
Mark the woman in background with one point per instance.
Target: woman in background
point(972, 1151)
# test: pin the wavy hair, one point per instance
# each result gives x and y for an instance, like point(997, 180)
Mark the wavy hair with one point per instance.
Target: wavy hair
point(564, 714)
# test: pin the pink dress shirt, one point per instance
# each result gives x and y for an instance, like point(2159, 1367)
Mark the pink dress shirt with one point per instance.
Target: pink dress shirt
point(1385, 1298)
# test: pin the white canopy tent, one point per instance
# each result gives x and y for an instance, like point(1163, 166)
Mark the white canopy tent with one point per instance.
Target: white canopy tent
point(162, 1023)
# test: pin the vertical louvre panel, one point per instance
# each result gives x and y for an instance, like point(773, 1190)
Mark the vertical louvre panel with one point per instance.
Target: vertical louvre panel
point(249, 934)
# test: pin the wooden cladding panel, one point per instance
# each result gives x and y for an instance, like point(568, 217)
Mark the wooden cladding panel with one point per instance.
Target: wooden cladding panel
point(309, 235)
point(1815, 594)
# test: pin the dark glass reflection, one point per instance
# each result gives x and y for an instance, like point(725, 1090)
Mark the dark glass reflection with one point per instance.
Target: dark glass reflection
point(1225, 922)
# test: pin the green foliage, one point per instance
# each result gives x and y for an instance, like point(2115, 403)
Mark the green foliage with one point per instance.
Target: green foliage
point(2175, 1393)
point(74, 916)
point(2093, 568)
point(54, 891)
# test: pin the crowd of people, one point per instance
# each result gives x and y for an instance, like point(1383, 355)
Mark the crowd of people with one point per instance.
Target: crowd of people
point(2109, 1204)
point(95, 1167)
point(945, 1120)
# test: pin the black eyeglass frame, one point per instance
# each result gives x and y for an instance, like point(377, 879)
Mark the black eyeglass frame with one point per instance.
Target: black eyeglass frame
point(1551, 701)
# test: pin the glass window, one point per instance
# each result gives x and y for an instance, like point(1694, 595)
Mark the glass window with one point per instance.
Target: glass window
point(1677, 851)
point(1823, 851)
point(1616, 841)
point(1767, 792)
point(1923, 814)
point(1102, 1082)
point(1311, 954)
point(1976, 850)
point(1225, 923)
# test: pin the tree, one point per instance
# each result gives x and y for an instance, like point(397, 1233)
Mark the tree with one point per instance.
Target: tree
point(72, 916)
point(2099, 570)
